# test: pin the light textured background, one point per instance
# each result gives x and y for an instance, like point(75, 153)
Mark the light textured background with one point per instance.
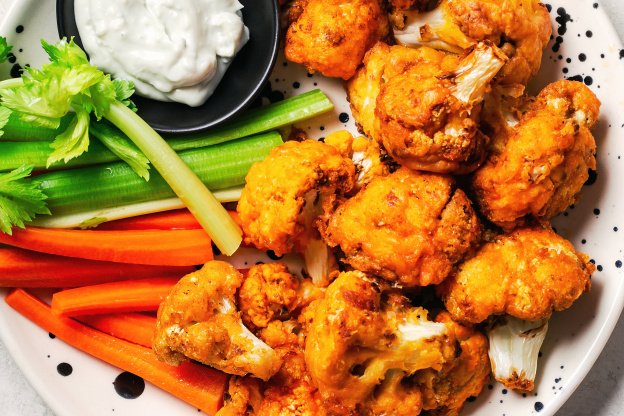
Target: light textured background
point(600, 394)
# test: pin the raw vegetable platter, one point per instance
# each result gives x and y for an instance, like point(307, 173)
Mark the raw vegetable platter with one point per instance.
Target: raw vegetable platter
point(584, 47)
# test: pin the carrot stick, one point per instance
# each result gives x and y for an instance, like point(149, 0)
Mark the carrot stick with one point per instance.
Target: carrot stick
point(179, 219)
point(25, 268)
point(133, 327)
point(165, 248)
point(198, 385)
point(131, 296)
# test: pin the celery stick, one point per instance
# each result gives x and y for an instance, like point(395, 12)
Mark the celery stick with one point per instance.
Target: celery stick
point(258, 120)
point(111, 185)
point(17, 130)
point(262, 119)
point(74, 220)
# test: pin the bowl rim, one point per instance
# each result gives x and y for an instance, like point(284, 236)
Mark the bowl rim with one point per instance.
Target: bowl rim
point(254, 93)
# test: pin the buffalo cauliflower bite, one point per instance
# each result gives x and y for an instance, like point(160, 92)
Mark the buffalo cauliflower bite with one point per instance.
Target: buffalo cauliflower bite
point(332, 36)
point(520, 28)
point(444, 392)
point(422, 106)
point(364, 340)
point(284, 196)
point(528, 274)
point(270, 292)
point(409, 227)
point(541, 178)
point(198, 320)
point(290, 391)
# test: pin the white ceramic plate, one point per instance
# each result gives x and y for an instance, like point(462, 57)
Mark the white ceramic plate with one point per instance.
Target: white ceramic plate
point(584, 46)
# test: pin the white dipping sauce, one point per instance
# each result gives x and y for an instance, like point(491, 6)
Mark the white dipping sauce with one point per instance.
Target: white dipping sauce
point(173, 50)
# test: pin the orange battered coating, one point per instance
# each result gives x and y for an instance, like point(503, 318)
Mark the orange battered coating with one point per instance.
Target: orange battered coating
point(408, 227)
point(364, 341)
point(527, 274)
point(409, 102)
point(271, 292)
point(545, 160)
point(332, 36)
point(198, 320)
point(447, 390)
point(521, 28)
point(278, 206)
point(290, 391)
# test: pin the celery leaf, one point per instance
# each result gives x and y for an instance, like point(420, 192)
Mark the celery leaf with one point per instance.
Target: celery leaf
point(20, 199)
point(123, 91)
point(73, 141)
point(69, 81)
point(5, 49)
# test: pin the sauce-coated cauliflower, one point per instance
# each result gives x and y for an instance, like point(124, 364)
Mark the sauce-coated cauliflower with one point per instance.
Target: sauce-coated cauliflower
point(445, 391)
point(423, 105)
point(528, 274)
point(284, 196)
point(409, 227)
point(364, 340)
point(520, 28)
point(332, 36)
point(540, 177)
point(198, 320)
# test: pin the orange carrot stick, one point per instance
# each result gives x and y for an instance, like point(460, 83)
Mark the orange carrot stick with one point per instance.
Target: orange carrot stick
point(198, 385)
point(165, 248)
point(25, 268)
point(179, 219)
point(131, 296)
point(133, 327)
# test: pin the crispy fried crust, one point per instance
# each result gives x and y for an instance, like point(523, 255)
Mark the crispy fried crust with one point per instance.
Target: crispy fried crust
point(408, 227)
point(527, 274)
point(541, 177)
point(192, 324)
point(275, 195)
point(268, 292)
point(403, 99)
point(445, 392)
point(521, 28)
point(332, 36)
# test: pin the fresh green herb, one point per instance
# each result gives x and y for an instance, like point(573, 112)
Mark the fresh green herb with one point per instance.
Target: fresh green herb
point(20, 199)
point(5, 49)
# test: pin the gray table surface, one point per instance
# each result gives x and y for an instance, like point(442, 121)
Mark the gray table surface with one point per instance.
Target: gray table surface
point(600, 394)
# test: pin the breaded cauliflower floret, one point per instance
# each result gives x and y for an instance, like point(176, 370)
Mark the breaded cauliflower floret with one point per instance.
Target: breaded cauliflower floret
point(284, 195)
point(198, 320)
point(521, 28)
point(541, 177)
point(527, 274)
point(364, 341)
point(269, 290)
point(445, 391)
point(290, 391)
point(332, 36)
point(423, 106)
point(409, 227)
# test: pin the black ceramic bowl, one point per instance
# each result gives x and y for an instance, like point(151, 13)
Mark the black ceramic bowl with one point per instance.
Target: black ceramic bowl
point(241, 85)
